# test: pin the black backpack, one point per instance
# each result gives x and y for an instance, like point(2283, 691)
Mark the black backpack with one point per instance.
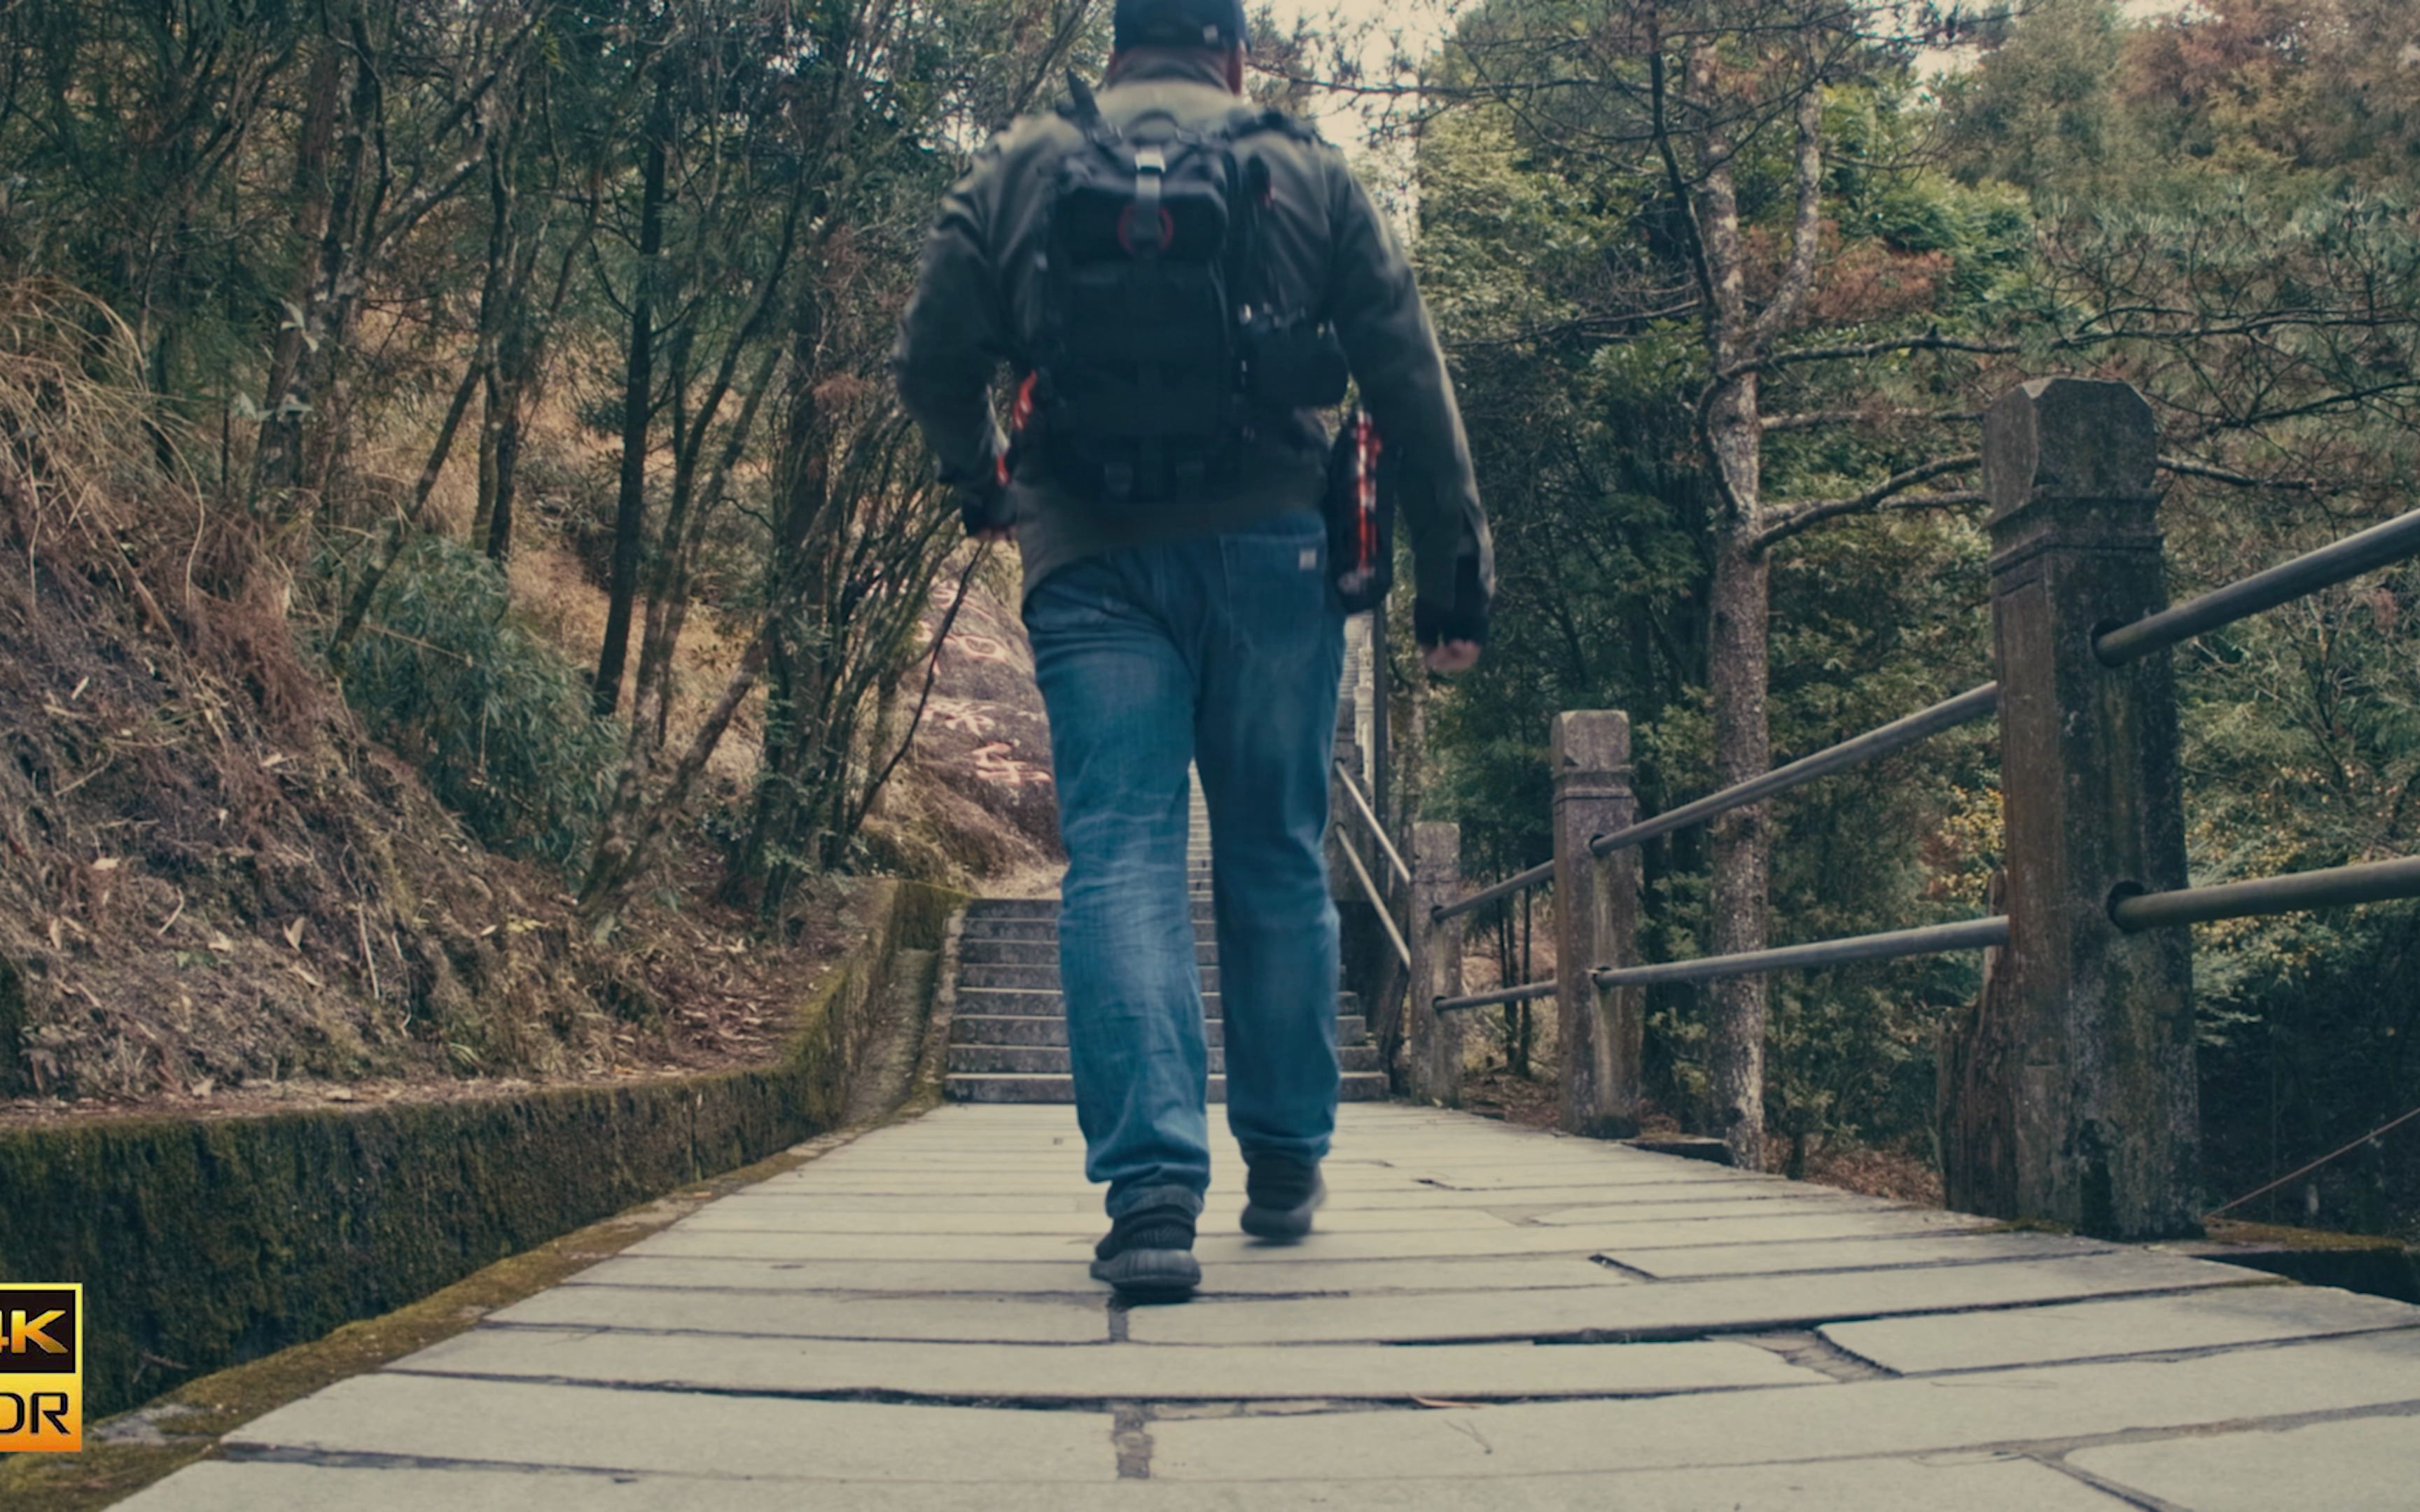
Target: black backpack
point(1157, 357)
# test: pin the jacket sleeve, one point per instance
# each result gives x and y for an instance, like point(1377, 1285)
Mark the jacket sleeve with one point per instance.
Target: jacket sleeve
point(953, 336)
point(1377, 313)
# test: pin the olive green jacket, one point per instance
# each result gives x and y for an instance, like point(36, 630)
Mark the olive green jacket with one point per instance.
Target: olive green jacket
point(978, 305)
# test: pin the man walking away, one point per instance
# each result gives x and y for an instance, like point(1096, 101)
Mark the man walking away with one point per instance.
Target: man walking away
point(1176, 281)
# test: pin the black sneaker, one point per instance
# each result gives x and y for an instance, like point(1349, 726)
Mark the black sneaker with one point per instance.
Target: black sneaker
point(1147, 1255)
point(1280, 1193)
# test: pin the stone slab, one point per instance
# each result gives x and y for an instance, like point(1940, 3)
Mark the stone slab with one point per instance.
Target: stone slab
point(676, 1433)
point(809, 1200)
point(2143, 1325)
point(975, 1195)
point(1764, 1204)
point(1984, 1484)
point(1104, 1372)
point(1045, 1182)
point(771, 1215)
point(821, 1314)
point(1708, 1262)
point(1227, 1249)
point(1669, 1310)
point(1556, 1175)
point(2370, 1464)
point(1864, 1419)
point(1070, 1279)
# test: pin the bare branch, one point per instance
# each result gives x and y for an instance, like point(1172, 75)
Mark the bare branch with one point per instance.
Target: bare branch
point(1680, 184)
point(627, 844)
point(2189, 468)
point(1816, 418)
point(1932, 341)
point(2318, 406)
point(1807, 233)
point(1606, 325)
point(1792, 518)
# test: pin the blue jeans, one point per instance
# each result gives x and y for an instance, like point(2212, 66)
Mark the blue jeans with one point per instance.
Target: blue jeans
point(1224, 651)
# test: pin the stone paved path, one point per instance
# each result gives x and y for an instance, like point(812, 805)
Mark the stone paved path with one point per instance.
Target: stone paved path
point(1488, 1318)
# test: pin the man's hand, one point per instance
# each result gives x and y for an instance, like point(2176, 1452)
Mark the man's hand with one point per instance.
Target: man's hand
point(1450, 638)
point(1450, 656)
point(983, 506)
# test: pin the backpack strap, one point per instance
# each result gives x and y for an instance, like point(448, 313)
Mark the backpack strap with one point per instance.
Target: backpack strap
point(1083, 108)
point(1248, 253)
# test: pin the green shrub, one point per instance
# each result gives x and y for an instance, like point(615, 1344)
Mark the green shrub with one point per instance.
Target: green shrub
point(495, 718)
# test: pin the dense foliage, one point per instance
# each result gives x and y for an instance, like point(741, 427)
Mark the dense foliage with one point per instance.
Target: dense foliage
point(430, 270)
point(2218, 207)
point(417, 288)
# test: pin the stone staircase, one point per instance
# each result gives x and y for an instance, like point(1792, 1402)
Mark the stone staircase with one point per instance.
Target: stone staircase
point(1008, 1035)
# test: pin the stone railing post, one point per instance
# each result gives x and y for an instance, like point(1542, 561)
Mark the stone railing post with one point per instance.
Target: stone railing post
point(1596, 914)
point(1343, 822)
point(2072, 1095)
point(1433, 1040)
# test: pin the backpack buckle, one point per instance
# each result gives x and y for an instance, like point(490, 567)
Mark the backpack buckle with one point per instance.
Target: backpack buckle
point(1151, 169)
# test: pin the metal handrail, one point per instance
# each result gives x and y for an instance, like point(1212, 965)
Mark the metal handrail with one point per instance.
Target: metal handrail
point(1377, 830)
point(1370, 885)
point(1933, 939)
point(1506, 995)
point(2378, 547)
point(1544, 871)
point(2370, 883)
point(1974, 703)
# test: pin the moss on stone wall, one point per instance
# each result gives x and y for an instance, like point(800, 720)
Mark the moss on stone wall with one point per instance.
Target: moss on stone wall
point(207, 1243)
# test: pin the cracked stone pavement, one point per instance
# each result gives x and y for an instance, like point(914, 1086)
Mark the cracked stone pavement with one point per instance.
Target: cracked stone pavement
point(1487, 1316)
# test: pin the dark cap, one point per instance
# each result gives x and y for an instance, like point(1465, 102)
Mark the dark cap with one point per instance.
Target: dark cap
point(1213, 23)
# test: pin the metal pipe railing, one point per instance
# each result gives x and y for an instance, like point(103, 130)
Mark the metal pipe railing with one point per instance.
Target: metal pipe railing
point(1506, 995)
point(1974, 703)
point(2378, 547)
point(1378, 903)
point(1544, 871)
point(2371, 883)
point(1933, 939)
point(1377, 830)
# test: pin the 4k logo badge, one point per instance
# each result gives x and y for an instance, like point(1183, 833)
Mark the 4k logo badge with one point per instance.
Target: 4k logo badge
point(42, 1368)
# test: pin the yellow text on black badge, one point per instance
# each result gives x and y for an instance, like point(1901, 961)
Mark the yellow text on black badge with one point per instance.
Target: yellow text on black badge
point(42, 1368)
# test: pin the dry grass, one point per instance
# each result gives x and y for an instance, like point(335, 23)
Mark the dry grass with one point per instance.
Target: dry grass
point(213, 890)
point(553, 592)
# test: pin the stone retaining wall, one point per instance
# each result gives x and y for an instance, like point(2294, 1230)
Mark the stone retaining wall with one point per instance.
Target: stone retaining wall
point(203, 1242)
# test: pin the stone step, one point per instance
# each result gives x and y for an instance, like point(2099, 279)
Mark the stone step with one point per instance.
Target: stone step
point(1039, 1002)
point(1038, 978)
point(1051, 1029)
point(1044, 979)
point(1044, 953)
point(1029, 1059)
point(1033, 908)
point(1360, 1086)
point(1033, 930)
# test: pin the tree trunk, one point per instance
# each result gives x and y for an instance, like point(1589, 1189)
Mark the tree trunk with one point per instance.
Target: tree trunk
point(334, 312)
point(638, 391)
point(276, 457)
point(1740, 843)
point(490, 412)
point(504, 461)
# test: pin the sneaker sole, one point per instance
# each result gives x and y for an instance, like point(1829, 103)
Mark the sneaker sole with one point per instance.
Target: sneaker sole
point(1283, 1226)
point(1150, 1274)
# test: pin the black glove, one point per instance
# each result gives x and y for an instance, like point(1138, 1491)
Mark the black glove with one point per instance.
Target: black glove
point(983, 504)
point(1465, 618)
